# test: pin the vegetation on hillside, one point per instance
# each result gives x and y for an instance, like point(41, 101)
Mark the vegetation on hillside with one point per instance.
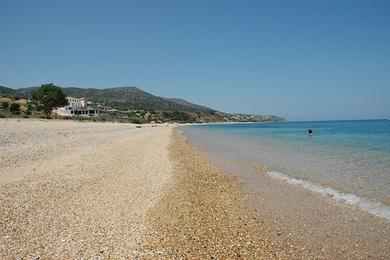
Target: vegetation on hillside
point(11, 93)
point(131, 104)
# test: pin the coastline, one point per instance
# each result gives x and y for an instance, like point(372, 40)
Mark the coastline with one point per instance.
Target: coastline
point(319, 226)
point(211, 212)
point(104, 190)
point(202, 215)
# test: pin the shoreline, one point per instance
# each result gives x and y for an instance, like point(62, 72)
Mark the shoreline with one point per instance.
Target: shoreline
point(306, 163)
point(374, 208)
point(319, 222)
point(69, 190)
point(202, 215)
point(209, 211)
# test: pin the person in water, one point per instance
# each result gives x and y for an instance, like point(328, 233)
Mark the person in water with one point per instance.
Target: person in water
point(310, 132)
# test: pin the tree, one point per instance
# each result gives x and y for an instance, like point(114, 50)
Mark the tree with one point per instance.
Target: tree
point(48, 97)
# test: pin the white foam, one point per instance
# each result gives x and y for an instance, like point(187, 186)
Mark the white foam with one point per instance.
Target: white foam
point(371, 207)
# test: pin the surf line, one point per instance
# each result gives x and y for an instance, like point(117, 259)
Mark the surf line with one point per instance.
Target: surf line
point(374, 208)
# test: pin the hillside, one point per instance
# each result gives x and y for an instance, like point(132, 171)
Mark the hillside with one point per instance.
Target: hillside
point(129, 98)
point(190, 105)
point(132, 103)
point(4, 91)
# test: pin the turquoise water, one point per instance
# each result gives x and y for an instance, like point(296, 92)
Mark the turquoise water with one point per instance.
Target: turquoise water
point(348, 160)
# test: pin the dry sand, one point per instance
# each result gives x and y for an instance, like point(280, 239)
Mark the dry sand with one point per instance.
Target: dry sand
point(103, 191)
point(73, 189)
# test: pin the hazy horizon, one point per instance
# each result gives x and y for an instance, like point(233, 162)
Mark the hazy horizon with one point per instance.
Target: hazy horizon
point(302, 60)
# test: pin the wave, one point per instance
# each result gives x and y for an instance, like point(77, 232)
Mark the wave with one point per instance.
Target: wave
point(374, 208)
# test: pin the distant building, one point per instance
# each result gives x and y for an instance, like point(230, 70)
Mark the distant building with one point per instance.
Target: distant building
point(77, 107)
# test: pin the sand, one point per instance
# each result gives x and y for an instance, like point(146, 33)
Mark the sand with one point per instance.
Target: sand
point(202, 216)
point(105, 190)
point(71, 190)
point(210, 213)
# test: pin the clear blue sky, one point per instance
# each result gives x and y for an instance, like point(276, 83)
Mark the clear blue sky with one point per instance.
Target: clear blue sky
point(298, 59)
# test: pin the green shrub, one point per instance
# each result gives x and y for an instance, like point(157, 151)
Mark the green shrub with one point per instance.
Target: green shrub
point(131, 114)
point(14, 108)
point(2, 116)
point(178, 116)
point(79, 118)
point(99, 119)
point(135, 120)
point(29, 108)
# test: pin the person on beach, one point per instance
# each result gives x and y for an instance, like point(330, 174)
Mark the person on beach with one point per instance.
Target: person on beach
point(310, 132)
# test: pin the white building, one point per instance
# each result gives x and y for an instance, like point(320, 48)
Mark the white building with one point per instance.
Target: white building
point(77, 107)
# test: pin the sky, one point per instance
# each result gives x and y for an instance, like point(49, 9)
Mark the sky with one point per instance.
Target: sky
point(303, 60)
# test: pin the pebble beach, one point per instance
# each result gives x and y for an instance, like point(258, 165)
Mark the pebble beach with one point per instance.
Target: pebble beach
point(71, 190)
point(77, 190)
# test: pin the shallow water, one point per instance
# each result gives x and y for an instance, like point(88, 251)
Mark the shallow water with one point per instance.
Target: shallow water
point(348, 160)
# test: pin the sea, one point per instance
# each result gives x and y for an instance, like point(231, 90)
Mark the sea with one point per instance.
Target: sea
point(348, 161)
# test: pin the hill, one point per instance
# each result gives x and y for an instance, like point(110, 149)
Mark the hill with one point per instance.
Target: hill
point(4, 91)
point(132, 103)
point(190, 105)
point(129, 98)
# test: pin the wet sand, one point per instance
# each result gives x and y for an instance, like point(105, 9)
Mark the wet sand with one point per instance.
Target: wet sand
point(202, 215)
point(208, 212)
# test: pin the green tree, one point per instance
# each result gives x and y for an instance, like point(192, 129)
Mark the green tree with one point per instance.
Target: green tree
point(48, 97)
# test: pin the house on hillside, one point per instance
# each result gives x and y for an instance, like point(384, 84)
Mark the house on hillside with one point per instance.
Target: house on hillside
point(77, 107)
